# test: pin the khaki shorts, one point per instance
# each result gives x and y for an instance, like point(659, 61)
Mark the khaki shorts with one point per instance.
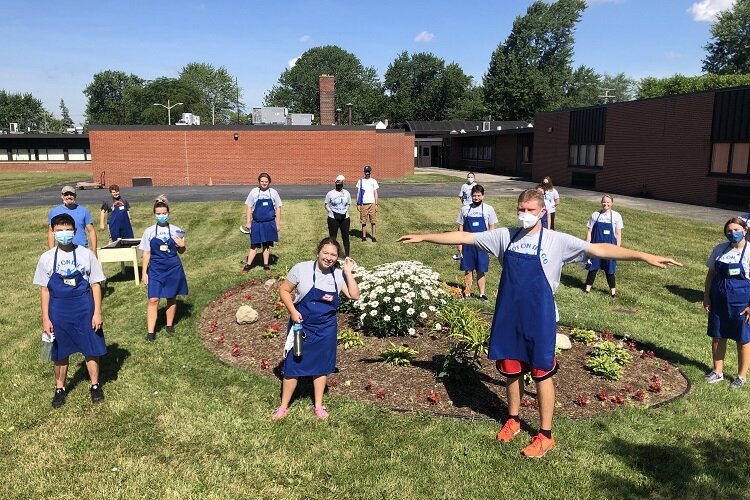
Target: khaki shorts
point(366, 211)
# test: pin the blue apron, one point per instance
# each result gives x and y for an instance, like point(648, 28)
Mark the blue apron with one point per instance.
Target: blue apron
point(71, 307)
point(525, 324)
point(545, 224)
point(603, 233)
point(472, 258)
point(166, 277)
point(263, 229)
point(119, 222)
point(730, 294)
point(318, 310)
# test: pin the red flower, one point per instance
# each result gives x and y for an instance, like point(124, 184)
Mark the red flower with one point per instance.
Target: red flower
point(655, 387)
point(380, 394)
point(535, 403)
point(248, 297)
point(639, 396)
point(236, 349)
point(665, 367)
point(331, 383)
point(525, 402)
point(618, 398)
point(581, 400)
point(628, 388)
point(227, 294)
point(607, 335)
point(632, 345)
point(221, 339)
point(601, 395)
point(656, 378)
point(433, 397)
point(273, 326)
point(265, 363)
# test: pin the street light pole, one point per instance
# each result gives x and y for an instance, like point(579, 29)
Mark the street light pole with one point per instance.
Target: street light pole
point(169, 109)
point(349, 106)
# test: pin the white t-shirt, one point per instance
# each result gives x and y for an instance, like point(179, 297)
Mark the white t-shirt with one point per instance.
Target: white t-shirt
point(338, 201)
point(465, 193)
point(301, 276)
point(369, 186)
point(745, 217)
point(482, 210)
point(730, 256)
point(269, 194)
point(85, 261)
point(612, 216)
point(156, 231)
point(549, 200)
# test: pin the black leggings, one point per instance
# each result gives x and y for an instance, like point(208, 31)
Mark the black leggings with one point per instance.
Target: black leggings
point(333, 228)
point(592, 276)
point(552, 220)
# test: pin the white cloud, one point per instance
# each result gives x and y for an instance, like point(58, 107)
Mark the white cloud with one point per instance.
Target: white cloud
point(706, 10)
point(671, 54)
point(304, 38)
point(424, 37)
point(293, 61)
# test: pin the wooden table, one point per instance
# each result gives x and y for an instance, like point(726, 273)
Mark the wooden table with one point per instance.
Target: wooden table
point(121, 255)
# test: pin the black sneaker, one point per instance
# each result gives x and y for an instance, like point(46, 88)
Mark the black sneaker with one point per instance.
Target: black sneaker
point(267, 269)
point(150, 337)
point(59, 398)
point(97, 395)
point(374, 240)
point(246, 268)
point(484, 298)
point(364, 238)
point(169, 328)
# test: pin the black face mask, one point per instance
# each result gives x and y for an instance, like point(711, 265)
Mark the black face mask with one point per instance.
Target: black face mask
point(339, 187)
point(367, 175)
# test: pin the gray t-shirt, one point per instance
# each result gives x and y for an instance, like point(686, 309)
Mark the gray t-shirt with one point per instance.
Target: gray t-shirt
point(557, 250)
point(611, 217)
point(85, 261)
point(156, 231)
point(483, 210)
point(465, 193)
point(301, 276)
point(258, 194)
point(338, 201)
point(730, 256)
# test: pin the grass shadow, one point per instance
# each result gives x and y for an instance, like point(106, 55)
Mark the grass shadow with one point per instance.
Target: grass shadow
point(109, 367)
point(572, 281)
point(689, 294)
point(184, 310)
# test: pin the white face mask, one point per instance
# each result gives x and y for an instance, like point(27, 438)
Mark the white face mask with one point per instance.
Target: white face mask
point(527, 219)
point(470, 180)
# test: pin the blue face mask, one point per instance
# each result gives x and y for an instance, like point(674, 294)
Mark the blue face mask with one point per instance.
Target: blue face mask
point(735, 236)
point(162, 218)
point(64, 237)
point(470, 180)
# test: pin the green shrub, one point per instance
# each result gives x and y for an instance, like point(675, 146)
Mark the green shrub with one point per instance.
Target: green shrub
point(348, 338)
point(469, 332)
point(587, 337)
point(398, 355)
point(608, 359)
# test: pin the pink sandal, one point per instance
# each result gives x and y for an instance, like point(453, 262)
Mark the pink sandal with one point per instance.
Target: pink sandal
point(320, 412)
point(279, 413)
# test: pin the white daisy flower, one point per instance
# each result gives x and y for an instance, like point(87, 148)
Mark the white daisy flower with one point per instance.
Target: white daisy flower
point(423, 315)
point(410, 311)
point(386, 318)
point(397, 308)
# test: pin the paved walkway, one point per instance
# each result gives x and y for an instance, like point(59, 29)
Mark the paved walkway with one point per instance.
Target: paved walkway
point(496, 185)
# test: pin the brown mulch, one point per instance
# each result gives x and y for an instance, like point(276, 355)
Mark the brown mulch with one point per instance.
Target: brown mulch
point(361, 375)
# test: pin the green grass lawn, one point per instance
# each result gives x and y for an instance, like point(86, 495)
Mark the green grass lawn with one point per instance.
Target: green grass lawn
point(178, 424)
point(19, 182)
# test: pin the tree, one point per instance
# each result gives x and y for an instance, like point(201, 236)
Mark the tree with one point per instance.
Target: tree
point(298, 87)
point(681, 84)
point(422, 87)
point(218, 90)
point(529, 71)
point(622, 87)
point(729, 50)
point(27, 111)
point(583, 88)
point(470, 106)
point(66, 121)
point(112, 98)
point(173, 90)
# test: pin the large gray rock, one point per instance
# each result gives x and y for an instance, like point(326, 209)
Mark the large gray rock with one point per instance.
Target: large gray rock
point(246, 315)
point(563, 342)
point(269, 283)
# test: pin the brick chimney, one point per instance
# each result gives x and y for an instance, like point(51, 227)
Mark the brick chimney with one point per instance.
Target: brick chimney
point(327, 100)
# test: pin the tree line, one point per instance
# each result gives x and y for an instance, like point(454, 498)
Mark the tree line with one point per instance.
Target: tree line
point(530, 71)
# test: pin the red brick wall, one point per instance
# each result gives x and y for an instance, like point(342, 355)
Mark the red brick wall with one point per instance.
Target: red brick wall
point(45, 166)
point(187, 156)
point(663, 143)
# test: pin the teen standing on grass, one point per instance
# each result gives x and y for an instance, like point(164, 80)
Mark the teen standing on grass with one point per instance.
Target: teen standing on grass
point(337, 205)
point(475, 218)
point(726, 298)
point(522, 338)
point(163, 273)
point(316, 285)
point(551, 200)
point(367, 202)
point(69, 277)
point(117, 212)
point(464, 194)
point(604, 226)
point(263, 219)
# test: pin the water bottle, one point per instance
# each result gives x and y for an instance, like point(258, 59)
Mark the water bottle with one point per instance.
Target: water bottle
point(299, 336)
point(45, 351)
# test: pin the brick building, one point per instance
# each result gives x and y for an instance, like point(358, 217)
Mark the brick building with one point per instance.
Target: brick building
point(690, 148)
point(52, 152)
point(237, 154)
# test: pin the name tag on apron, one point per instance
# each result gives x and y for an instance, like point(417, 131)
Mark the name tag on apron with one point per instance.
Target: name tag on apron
point(69, 281)
point(328, 297)
point(122, 208)
point(733, 271)
point(607, 231)
point(265, 203)
point(475, 224)
point(164, 248)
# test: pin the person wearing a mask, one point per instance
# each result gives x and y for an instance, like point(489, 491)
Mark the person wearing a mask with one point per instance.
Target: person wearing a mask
point(726, 299)
point(367, 202)
point(337, 205)
point(523, 334)
point(117, 213)
point(163, 273)
point(551, 200)
point(475, 218)
point(69, 277)
point(464, 194)
point(604, 226)
point(81, 216)
point(263, 220)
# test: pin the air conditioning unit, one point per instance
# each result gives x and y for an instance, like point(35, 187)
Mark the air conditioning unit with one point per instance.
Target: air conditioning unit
point(486, 126)
point(14, 129)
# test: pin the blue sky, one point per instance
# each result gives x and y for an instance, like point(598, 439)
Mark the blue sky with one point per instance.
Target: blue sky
point(53, 48)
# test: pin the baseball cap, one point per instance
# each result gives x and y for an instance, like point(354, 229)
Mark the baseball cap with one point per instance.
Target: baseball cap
point(368, 168)
point(68, 189)
point(339, 178)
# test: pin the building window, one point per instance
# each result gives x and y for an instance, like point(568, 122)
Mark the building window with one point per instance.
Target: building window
point(76, 154)
point(56, 154)
point(20, 155)
point(526, 154)
point(739, 158)
point(730, 158)
point(4, 155)
point(586, 155)
point(483, 153)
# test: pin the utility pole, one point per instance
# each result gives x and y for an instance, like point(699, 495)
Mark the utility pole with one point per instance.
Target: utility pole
point(605, 96)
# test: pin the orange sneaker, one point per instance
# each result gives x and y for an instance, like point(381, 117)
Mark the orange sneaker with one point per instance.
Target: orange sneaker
point(510, 428)
point(539, 446)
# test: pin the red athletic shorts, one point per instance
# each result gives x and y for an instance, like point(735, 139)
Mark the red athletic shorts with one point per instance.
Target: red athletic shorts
point(513, 368)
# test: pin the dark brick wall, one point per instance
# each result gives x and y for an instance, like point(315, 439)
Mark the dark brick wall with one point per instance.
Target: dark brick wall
point(187, 156)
